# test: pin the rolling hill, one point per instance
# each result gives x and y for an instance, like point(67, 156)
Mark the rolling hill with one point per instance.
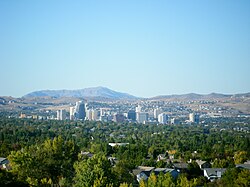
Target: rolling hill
point(101, 92)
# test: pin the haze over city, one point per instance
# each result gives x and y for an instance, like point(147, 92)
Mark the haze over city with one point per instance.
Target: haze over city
point(144, 48)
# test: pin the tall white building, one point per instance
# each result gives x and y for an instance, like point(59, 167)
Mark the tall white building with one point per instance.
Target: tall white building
point(163, 118)
point(88, 114)
point(157, 111)
point(72, 113)
point(141, 117)
point(138, 108)
point(61, 114)
point(92, 115)
point(194, 118)
point(95, 115)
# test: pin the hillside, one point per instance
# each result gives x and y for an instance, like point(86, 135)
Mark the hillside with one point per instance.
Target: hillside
point(98, 92)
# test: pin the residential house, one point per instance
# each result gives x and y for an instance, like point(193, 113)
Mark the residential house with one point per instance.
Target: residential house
point(86, 154)
point(180, 167)
point(247, 162)
point(173, 172)
point(161, 157)
point(143, 173)
point(4, 163)
point(213, 173)
point(243, 166)
point(203, 164)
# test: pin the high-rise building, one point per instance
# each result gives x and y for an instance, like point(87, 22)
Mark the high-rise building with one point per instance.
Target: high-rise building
point(95, 115)
point(138, 108)
point(61, 114)
point(80, 112)
point(194, 118)
point(92, 115)
point(157, 111)
point(131, 115)
point(118, 118)
point(72, 113)
point(88, 115)
point(163, 118)
point(141, 117)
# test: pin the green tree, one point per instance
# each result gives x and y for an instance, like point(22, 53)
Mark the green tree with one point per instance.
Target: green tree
point(95, 170)
point(49, 161)
point(165, 180)
point(122, 172)
point(194, 170)
point(8, 179)
point(240, 157)
point(243, 178)
point(152, 180)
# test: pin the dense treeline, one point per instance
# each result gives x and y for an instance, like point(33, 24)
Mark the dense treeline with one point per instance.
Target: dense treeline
point(47, 151)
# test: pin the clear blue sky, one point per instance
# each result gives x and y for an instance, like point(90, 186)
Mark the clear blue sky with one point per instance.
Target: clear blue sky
point(145, 48)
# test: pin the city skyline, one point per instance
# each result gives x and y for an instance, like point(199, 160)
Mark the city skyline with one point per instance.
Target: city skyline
point(144, 48)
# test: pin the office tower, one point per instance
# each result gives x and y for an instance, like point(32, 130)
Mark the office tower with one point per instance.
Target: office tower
point(118, 118)
point(132, 115)
point(102, 111)
point(95, 115)
point(141, 117)
point(163, 118)
point(157, 111)
point(61, 114)
point(138, 108)
point(194, 118)
point(80, 112)
point(72, 113)
point(88, 114)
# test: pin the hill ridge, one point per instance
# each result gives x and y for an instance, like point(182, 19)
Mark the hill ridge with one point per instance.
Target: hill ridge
point(99, 91)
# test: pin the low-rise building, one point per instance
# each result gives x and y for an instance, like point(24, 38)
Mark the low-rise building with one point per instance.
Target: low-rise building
point(214, 173)
point(143, 172)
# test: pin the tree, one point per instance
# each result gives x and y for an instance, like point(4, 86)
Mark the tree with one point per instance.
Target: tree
point(49, 161)
point(243, 178)
point(8, 179)
point(182, 182)
point(152, 180)
point(160, 164)
point(93, 171)
point(240, 157)
point(122, 172)
point(194, 170)
point(165, 180)
point(125, 185)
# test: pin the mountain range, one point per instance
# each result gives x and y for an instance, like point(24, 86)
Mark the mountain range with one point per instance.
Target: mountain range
point(103, 92)
point(93, 92)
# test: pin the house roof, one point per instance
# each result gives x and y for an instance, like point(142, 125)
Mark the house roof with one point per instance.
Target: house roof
point(245, 166)
point(2, 159)
point(160, 169)
point(180, 165)
point(200, 162)
point(147, 173)
point(136, 171)
point(88, 154)
point(163, 170)
point(145, 168)
point(140, 169)
point(214, 171)
point(162, 155)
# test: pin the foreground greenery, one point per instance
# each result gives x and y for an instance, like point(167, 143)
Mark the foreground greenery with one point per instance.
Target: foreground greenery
point(47, 152)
